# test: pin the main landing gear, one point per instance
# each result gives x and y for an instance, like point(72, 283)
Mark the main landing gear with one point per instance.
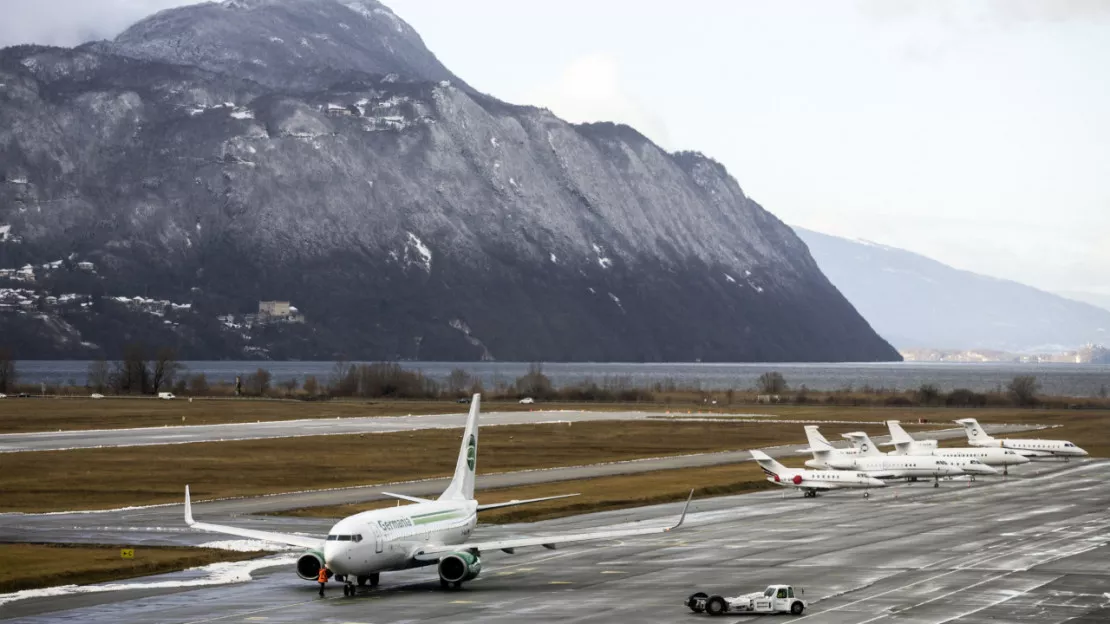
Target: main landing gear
point(810, 493)
point(936, 481)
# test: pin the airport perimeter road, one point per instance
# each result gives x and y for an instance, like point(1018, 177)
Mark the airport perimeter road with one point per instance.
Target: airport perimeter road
point(1032, 549)
point(152, 436)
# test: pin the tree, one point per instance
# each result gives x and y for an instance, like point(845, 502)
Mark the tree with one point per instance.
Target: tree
point(163, 369)
point(771, 383)
point(8, 374)
point(928, 394)
point(131, 375)
point(1103, 392)
point(1023, 390)
point(258, 382)
point(311, 386)
point(534, 384)
point(457, 381)
point(198, 384)
point(99, 375)
point(289, 385)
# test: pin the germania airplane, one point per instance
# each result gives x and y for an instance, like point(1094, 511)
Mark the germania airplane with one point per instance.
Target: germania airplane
point(880, 466)
point(1033, 449)
point(813, 481)
point(430, 532)
point(904, 444)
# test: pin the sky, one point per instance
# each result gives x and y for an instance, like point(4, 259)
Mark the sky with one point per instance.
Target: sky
point(971, 131)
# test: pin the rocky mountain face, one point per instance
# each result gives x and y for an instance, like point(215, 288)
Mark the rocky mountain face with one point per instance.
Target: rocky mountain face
point(158, 186)
point(918, 303)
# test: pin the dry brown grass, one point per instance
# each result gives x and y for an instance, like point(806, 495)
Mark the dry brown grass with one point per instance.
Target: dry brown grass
point(30, 566)
point(600, 494)
point(116, 477)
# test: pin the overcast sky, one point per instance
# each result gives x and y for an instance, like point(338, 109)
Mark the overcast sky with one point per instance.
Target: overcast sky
point(973, 131)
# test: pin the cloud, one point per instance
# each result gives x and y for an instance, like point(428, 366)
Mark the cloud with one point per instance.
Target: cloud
point(71, 22)
point(590, 89)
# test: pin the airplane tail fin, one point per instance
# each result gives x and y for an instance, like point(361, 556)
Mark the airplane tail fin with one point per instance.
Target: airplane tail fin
point(770, 466)
point(462, 484)
point(975, 433)
point(817, 442)
point(898, 435)
point(862, 442)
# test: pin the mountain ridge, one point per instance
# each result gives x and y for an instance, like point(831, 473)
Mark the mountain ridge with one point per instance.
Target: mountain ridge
point(404, 214)
point(917, 302)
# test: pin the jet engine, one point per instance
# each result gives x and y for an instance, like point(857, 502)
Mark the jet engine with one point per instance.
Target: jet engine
point(309, 564)
point(458, 567)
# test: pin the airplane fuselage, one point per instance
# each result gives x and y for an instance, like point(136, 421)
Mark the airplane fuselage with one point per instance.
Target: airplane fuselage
point(1034, 449)
point(386, 539)
point(897, 466)
point(991, 456)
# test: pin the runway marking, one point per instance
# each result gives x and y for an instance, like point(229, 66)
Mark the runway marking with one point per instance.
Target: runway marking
point(464, 602)
point(560, 583)
point(613, 572)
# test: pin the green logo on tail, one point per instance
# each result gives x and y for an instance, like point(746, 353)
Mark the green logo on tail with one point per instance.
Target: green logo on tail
point(471, 452)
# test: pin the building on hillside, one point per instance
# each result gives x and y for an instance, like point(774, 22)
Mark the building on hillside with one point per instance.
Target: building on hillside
point(278, 312)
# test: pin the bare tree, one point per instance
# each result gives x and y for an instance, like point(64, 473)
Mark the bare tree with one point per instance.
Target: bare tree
point(289, 385)
point(258, 382)
point(311, 386)
point(198, 384)
point(771, 383)
point(457, 381)
point(163, 369)
point(99, 374)
point(928, 394)
point(131, 374)
point(1023, 390)
point(8, 374)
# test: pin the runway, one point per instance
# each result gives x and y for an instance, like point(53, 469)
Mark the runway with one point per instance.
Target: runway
point(153, 436)
point(1032, 548)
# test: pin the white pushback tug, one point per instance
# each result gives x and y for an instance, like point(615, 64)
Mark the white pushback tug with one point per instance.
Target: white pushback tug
point(429, 532)
point(774, 599)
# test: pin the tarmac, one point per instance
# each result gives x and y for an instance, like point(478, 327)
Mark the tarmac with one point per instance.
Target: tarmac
point(1030, 548)
point(153, 436)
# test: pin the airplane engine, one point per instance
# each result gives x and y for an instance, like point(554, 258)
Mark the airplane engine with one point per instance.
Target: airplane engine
point(309, 564)
point(458, 567)
point(813, 463)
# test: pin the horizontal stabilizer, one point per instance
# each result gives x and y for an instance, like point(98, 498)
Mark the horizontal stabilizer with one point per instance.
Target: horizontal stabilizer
point(303, 541)
point(405, 497)
point(515, 502)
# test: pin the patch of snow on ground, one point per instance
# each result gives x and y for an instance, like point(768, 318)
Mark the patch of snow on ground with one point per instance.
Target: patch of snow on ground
point(4, 229)
point(730, 278)
point(554, 260)
point(242, 113)
point(493, 141)
point(250, 545)
point(277, 40)
point(421, 249)
point(222, 573)
point(393, 18)
point(747, 273)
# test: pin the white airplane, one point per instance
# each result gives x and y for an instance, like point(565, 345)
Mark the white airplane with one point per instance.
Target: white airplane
point(881, 466)
point(968, 465)
point(812, 481)
point(1033, 449)
point(822, 449)
point(904, 444)
point(429, 532)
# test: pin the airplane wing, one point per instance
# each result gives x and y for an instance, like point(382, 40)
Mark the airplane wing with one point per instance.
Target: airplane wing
point(515, 502)
point(304, 541)
point(1029, 453)
point(435, 552)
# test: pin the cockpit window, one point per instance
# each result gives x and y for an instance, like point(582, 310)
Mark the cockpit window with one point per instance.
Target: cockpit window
point(358, 538)
point(344, 538)
point(1068, 444)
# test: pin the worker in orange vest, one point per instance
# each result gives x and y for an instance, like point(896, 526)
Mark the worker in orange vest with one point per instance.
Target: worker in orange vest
point(322, 578)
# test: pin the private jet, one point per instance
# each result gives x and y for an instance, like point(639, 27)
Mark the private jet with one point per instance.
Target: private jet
point(881, 466)
point(428, 532)
point(1032, 449)
point(813, 481)
point(822, 449)
point(904, 444)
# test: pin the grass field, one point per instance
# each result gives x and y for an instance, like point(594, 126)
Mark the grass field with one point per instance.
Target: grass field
point(600, 494)
point(30, 566)
point(141, 475)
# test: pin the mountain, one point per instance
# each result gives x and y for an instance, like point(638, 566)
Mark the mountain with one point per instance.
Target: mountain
point(1097, 299)
point(916, 302)
point(159, 186)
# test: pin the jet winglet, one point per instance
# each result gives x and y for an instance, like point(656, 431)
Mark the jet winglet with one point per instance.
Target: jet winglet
point(188, 509)
point(685, 508)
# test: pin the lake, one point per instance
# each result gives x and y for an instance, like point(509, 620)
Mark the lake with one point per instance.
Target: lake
point(1055, 379)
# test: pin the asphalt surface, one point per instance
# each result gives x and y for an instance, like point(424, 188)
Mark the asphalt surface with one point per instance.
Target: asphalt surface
point(1031, 548)
point(153, 436)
